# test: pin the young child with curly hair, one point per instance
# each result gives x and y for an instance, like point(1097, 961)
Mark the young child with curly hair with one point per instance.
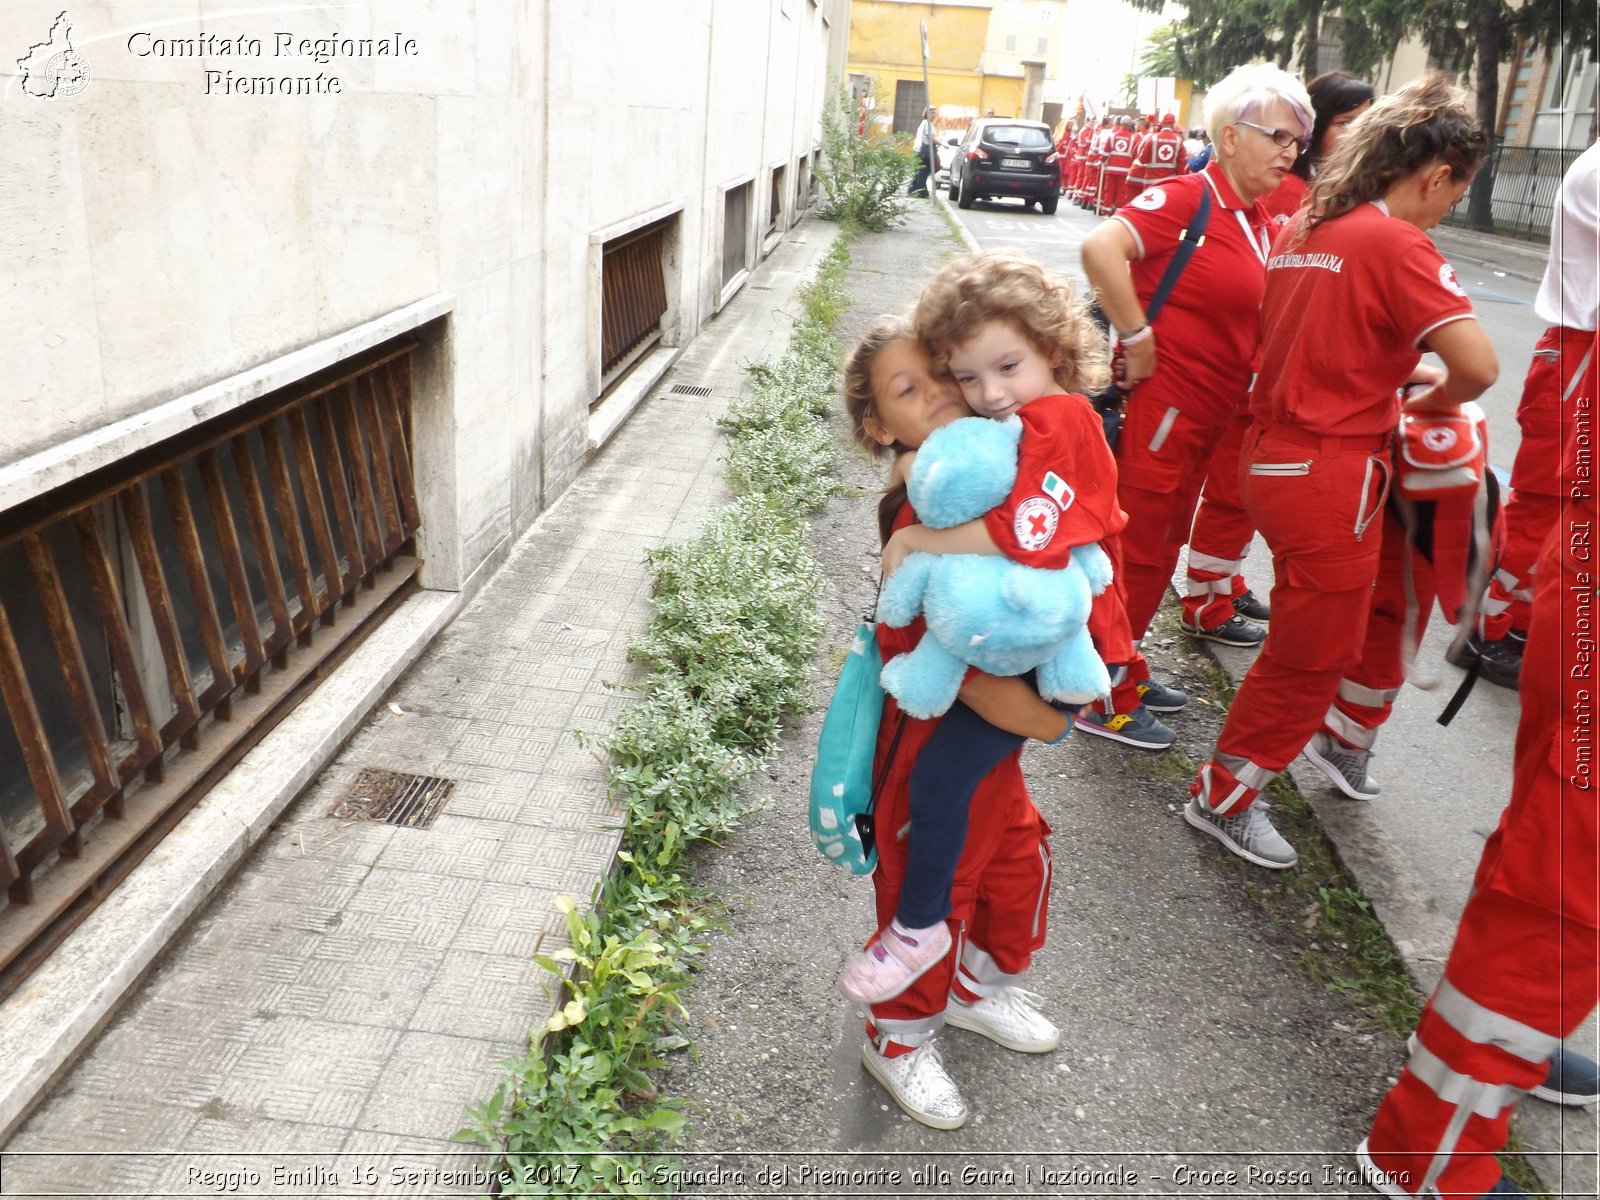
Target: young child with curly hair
point(1000, 895)
point(1018, 343)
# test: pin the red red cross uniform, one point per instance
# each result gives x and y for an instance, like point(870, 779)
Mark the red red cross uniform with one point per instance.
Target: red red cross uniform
point(1065, 496)
point(1568, 301)
point(1066, 489)
point(1094, 164)
point(1283, 201)
point(1064, 152)
point(1543, 416)
point(1522, 972)
point(1317, 470)
point(1220, 537)
point(1158, 156)
point(1000, 899)
point(1205, 340)
point(1114, 177)
point(1080, 160)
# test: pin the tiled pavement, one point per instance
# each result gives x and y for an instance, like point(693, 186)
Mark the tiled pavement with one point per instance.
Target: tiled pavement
point(353, 986)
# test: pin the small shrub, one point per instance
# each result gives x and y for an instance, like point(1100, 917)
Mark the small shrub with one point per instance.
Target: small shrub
point(863, 180)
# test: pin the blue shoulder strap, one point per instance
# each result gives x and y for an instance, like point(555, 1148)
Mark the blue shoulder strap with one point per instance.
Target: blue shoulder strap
point(1190, 241)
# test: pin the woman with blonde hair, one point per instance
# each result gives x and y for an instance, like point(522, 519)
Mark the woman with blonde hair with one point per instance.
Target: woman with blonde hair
point(1189, 368)
point(1355, 292)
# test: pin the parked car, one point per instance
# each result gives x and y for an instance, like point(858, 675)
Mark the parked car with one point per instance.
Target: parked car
point(949, 145)
point(1003, 156)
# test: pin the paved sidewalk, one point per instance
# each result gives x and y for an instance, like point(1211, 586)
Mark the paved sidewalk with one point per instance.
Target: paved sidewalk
point(353, 986)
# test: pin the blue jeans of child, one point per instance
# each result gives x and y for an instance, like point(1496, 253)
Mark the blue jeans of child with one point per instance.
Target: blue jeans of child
point(963, 749)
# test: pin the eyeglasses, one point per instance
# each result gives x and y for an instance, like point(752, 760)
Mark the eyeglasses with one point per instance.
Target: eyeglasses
point(1281, 138)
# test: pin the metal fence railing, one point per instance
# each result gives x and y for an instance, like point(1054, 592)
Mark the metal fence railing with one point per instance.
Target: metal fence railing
point(1524, 182)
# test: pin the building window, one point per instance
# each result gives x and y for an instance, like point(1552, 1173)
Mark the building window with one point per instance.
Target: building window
point(1043, 46)
point(1567, 113)
point(735, 232)
point(910, 102)
point(780, 176)
point(1011, 43)
point(633, 297)
point(160, 614)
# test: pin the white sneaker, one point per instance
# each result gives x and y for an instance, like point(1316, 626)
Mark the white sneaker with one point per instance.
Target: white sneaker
point(1347, 768)
point(1010, 1017)
point(1248, 834)
point(918, 1084)
point(1375, 1176)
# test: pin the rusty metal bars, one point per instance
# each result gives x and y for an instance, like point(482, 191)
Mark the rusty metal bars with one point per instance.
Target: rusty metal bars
point(633, 291)
point(338, 484)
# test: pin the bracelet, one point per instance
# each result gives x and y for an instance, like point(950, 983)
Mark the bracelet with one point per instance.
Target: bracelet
point(1138, 335)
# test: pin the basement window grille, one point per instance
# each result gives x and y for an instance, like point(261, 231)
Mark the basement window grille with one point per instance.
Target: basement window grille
point(633, 297)
point(158, 615)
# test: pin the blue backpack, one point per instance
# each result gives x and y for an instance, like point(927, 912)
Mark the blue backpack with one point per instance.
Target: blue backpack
point(843, 792)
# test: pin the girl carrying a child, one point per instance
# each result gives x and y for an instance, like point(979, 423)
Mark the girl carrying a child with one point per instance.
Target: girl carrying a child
point(961, 910)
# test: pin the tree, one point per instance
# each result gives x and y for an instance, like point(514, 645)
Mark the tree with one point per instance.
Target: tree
point(1475, 36)
point(1217, 36)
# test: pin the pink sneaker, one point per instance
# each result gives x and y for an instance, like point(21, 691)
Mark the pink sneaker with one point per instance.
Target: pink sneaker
point(893, 960)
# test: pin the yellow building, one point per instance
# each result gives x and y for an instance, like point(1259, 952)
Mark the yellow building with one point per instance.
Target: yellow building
point(885, 60)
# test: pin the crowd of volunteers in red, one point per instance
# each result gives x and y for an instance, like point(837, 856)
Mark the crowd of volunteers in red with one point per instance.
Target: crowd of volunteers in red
point(1266, 317)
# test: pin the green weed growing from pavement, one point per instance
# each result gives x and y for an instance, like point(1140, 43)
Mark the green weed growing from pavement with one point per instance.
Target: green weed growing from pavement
point(863, 177)
point(729, 647)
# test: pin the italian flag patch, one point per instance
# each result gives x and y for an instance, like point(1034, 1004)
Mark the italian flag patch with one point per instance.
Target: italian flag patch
point(1059, 490)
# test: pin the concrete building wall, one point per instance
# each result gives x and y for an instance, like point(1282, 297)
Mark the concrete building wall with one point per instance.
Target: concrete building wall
point(160, 237)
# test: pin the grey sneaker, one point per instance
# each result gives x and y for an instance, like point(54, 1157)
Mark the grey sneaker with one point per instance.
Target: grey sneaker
point(1235, 631)
point(1159, 698)
point(1345, 766)
point(1138, 728)
point(917, 1082)
point(1248, 834)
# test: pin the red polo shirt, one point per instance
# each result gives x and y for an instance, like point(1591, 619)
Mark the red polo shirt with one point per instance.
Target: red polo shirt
point(1283, 202)
point(1206, 332)
point(1066, 489)
point(1345, 319)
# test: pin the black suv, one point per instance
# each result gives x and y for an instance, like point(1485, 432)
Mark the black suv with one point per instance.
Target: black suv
point(1002, 156)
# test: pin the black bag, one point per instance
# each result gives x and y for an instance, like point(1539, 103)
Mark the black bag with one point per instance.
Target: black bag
point(1111, 401)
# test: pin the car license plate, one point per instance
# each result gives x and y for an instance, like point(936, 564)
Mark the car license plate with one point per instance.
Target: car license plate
point(1017, 164)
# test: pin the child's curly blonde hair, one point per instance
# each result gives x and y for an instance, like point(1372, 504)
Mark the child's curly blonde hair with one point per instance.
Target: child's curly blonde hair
point(968, 293)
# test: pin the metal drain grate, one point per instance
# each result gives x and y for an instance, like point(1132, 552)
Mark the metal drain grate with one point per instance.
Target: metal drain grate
point(691, 389)
point(394, 798)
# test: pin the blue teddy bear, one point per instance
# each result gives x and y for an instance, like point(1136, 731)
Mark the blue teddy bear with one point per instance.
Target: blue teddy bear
point(987, 611)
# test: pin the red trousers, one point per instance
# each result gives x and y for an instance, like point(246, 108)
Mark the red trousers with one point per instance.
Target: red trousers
point(1162, 458)
point(1221, 535)
point(1524, 970)
point(1000, 900)
point(1319, 504)
point(1113, 637)
point(1397, 616)
point(1545, 417)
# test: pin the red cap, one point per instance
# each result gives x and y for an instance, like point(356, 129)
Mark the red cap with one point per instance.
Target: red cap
point(1168, 119)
